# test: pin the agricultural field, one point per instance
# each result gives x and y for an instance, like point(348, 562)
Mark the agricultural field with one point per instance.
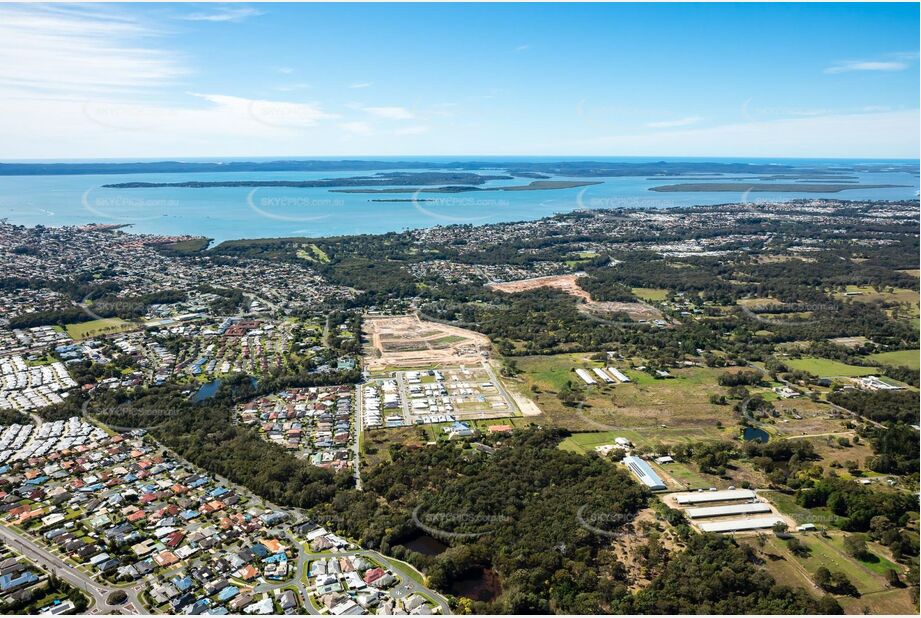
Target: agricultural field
point(866, 293)
point(906, 358)
point(685, 477)
point(94, 328)
point(646, 411)
point(802, 417)
point(827, 368)
point(832, 452)
point(868, 577)
point(786, 504)
point(586, 442)
point(650, 294)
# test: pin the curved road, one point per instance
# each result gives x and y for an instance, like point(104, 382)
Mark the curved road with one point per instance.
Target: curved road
point(97, 592)
point(406, 587)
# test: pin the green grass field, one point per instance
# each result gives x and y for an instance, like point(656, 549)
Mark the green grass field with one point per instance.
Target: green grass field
point(651, 294)
point(877, 563)
point(586, 442)
point(876, 597)
point(907, 358)
point(682, 473)
point(827, 368)
point(823, 553)
point(93, 328)
point(786, 504)
point(646, 411)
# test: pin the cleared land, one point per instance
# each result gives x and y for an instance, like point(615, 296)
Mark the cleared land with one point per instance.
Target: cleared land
point(569, 284)
point(566, 283)
point(867, 293)
point(646, 411)
point(406, 341)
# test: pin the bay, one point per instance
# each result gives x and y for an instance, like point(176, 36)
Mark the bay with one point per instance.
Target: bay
point(225, 213)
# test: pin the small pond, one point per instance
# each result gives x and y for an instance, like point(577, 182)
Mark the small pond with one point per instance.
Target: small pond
point(753, 434)
point(479, 585)
point(425, 544)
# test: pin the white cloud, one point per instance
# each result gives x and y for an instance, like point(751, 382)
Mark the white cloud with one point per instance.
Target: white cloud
point(358, 85)
point(391, 113)
point(208, 123)
point(414, 130)
point(522, 48)
point(667, 124)
point(880, 135)
point(224, 14)
point(78, 51)
point(867, 65)
point(272, 113)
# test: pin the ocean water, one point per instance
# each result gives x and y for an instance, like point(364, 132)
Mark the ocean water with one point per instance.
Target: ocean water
point(244, 212)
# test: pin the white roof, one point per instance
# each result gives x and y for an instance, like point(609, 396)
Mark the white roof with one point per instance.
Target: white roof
point(715, 496)
point(731, 509)
point(734, 525)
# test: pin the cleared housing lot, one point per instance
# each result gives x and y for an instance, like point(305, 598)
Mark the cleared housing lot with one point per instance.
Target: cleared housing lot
point(406, 341)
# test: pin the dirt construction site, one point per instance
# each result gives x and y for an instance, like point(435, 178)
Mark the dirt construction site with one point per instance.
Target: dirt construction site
point(638, 311)
point(405, 341)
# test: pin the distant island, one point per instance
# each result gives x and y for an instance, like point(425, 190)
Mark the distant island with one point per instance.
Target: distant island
point(400, 182)
point(378, 180)
point(403, 199)
point(740, 187)
point(537, 185)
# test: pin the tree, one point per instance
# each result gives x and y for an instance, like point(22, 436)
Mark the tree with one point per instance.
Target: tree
point(822, 577)
point(828, 605)
point(797, 547)
point(892, 578)
point(856, 546)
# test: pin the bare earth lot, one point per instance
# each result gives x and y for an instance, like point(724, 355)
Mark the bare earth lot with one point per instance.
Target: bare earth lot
point(406, 341)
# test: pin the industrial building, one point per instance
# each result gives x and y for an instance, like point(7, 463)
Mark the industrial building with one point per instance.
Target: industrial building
point(729, 509)
point(644, 473)
point(604, 377)
point(715, 496)
point(738, 525)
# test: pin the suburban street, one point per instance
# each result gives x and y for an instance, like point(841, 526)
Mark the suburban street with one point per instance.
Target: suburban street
point(56, 565)
point(408, 586)
point(356, 441)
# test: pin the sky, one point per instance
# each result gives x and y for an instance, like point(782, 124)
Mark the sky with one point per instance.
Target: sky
point(275, 80)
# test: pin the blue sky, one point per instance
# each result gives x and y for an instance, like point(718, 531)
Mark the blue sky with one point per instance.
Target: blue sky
point(184, 80)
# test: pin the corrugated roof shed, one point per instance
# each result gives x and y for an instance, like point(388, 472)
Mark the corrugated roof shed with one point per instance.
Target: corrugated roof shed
point(643, 472)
